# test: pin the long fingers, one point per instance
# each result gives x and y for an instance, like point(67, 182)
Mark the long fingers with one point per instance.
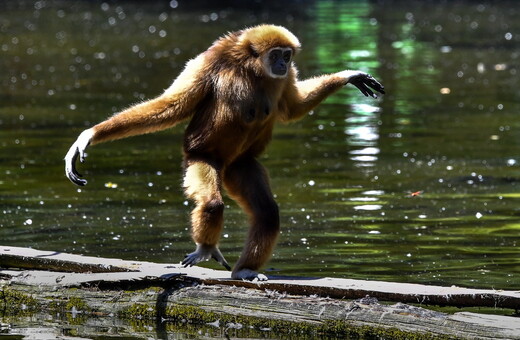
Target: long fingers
point(365, 90)
point(373, 83)
point(70, 166)
point(367, 85)
point(70, 171)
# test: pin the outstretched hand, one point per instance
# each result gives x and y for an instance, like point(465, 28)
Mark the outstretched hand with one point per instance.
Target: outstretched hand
point(363, 81)
point(367, 84)
point(77, 150)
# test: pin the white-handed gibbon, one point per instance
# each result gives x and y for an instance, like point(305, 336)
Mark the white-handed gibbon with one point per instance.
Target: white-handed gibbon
point(234, 93)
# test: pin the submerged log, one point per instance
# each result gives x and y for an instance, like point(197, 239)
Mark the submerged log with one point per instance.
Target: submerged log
point(166, 293)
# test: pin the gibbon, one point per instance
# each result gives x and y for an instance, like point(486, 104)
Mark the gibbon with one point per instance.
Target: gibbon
point(234, 93)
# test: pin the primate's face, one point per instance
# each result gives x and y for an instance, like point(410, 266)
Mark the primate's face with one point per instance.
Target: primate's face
point(277, 61)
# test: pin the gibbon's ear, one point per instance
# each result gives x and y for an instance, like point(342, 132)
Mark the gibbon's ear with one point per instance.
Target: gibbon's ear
point(253, 52)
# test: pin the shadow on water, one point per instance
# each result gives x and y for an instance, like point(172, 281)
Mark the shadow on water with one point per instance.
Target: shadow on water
point(420, 185)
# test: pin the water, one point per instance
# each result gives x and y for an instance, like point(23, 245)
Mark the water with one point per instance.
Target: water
point(420, 185)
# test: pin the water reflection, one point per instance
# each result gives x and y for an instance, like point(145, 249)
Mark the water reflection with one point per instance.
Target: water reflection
point(363, 131)
point(368, 207)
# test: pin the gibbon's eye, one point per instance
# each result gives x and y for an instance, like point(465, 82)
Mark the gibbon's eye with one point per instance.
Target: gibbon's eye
point(274, 55)
point(287, 56)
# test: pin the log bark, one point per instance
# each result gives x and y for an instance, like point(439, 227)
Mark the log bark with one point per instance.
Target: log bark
point(162, 295)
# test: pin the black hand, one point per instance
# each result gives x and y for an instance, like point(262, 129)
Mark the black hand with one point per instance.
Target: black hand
point(366, 83)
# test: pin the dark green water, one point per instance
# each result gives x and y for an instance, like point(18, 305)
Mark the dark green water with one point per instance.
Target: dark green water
point(448, 127)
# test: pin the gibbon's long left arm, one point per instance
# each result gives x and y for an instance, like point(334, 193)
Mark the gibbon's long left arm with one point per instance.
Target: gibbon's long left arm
point(305, 95)
point(176, 104)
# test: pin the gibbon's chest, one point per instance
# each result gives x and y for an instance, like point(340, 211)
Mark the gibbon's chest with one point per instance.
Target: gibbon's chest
point(243, 127)
point(244, 98)
point(256, 113)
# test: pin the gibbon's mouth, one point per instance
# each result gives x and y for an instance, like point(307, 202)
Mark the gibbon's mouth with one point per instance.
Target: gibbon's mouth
point(281, 71)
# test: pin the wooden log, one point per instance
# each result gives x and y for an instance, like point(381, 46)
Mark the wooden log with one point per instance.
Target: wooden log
point(234, 310)
point(208, 298)
point(325, 287)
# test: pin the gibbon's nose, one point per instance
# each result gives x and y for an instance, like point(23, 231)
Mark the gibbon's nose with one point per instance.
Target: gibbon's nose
point(280, 68)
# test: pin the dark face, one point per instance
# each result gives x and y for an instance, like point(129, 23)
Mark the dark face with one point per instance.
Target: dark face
point(277, 61)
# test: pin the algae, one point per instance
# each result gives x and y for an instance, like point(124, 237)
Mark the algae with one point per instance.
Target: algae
point(16, 303)
point(180, 315)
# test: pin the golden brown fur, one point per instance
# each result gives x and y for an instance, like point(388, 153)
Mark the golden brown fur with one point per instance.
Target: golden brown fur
point(233, 105)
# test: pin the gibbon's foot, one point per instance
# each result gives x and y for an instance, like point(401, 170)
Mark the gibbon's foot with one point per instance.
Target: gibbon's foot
point(364, 82)
point(204, 253)
point(248, 274)
point(77, 149)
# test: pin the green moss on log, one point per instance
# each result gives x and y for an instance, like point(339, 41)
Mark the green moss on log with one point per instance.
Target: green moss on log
point(70, 304)
point(183, 314)
point(139, 311)
point(78, 304)
point(13, 302)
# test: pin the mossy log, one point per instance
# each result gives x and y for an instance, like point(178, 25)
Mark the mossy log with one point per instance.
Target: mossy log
point(158, 298)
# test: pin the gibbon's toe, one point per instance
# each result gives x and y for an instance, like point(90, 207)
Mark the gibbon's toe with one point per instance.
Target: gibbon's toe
point(249, 275)
point(191, 259)
point(217, 256)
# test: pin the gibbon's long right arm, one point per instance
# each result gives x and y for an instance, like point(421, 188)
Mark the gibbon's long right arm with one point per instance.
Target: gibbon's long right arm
point(176, 104)
point(305, 95)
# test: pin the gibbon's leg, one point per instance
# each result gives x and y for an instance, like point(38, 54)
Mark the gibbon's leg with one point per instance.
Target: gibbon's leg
point(248, 184)
point(202, 185)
